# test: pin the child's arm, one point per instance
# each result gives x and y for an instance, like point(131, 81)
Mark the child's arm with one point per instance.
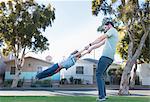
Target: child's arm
point(79, 54)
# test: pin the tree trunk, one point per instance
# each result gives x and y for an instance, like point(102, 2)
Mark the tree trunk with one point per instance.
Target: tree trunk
point(124, 85)
point(16, 79)
point(19, 65)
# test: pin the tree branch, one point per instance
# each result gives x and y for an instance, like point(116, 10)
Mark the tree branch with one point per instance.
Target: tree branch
point(138, 51)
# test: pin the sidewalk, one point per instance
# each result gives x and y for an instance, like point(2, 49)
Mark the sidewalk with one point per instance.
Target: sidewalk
point(66, 92)
point(69, 93)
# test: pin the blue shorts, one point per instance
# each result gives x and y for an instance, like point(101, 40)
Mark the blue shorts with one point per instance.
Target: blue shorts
point(69, 62)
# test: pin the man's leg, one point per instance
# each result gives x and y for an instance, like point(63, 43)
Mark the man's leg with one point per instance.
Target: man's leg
point(49, 72)
point(105, 90)
point(103, 64)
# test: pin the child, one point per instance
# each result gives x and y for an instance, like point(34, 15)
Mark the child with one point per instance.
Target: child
point(70, 61)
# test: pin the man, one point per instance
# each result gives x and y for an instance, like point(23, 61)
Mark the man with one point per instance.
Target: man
point(109, 39)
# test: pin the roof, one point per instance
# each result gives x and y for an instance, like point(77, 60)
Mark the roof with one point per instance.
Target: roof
point(96, 61)
point(30, 57)
point(91, 60)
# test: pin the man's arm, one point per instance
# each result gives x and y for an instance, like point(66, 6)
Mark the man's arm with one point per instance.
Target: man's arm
point(97, 41)
point(96, 45)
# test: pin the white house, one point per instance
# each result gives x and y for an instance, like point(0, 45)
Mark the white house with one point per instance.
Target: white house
point(144, 73)
point(84, 69)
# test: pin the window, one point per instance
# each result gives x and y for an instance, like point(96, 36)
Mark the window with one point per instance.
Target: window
point(94, 65)
point(39, 69)
point(79, 70)
point(29, 64)
point(12, 70)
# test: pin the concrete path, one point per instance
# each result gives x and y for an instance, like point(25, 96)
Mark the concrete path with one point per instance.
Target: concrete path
point(67, 92)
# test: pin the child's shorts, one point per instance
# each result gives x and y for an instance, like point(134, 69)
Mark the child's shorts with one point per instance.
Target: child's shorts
point(69, 62)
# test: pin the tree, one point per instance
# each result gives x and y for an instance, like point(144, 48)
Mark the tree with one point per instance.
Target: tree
point(124, 43)
point(143, 58)
point(135, 19)
point(21, 24)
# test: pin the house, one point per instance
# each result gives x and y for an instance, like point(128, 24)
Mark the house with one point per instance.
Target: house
point(84, 69)
point(31, 67)
point(144, 73)
point(2, 71)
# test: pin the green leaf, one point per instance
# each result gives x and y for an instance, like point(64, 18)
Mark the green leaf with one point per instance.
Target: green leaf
point(19, 26)
point(113, 1)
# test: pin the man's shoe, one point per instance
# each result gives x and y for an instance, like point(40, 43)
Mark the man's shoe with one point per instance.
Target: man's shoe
point(106, 97)
point(100, 100)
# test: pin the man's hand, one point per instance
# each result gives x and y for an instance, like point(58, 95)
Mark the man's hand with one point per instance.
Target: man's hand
point(87, 47)
point(89, 50)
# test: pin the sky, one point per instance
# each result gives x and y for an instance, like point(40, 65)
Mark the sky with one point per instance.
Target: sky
point(73, 29)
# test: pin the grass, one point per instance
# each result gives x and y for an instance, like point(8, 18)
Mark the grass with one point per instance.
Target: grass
point(70, 99)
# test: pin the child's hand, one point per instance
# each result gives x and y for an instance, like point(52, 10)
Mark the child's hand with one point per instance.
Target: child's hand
point(87, 47)
point(78, 55)
point(74, 52)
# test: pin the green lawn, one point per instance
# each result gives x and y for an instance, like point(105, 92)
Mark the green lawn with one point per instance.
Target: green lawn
point(70, 99)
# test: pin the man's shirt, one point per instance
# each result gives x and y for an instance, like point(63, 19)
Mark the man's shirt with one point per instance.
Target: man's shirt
point(110, 43)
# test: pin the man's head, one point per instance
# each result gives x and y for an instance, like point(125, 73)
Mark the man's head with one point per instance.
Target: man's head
point(108, 25)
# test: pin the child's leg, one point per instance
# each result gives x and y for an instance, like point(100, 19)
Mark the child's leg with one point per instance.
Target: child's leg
point(49, 72)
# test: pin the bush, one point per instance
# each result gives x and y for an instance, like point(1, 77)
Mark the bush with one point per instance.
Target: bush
point(64, 81)
point(20, 82)
point(7, 83)
point(77, 81)
point(71, 80)
point(46, 83)
point(42, 83)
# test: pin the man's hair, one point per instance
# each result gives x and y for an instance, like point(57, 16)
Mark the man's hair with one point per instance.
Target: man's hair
point(109, 23)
